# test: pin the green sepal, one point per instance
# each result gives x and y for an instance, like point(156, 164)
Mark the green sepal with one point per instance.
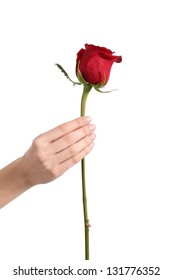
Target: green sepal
point(101, 84)
point(66, 75)
point(80, 77)
point(107, 91)
point(97, 87)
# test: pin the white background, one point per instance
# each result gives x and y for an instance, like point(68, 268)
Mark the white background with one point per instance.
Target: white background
point(129, 172)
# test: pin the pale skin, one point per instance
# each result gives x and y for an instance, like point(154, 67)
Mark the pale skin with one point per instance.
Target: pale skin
point(50, 155)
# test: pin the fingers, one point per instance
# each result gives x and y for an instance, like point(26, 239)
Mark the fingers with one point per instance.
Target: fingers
point(69, 139)
point(65, 128)
point(74, 149)
point(55, 151)
point(64, 166)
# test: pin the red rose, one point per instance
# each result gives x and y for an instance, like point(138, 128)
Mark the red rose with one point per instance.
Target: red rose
point(94, 64)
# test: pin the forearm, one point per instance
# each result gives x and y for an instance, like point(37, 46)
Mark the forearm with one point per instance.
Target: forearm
point(13, 182)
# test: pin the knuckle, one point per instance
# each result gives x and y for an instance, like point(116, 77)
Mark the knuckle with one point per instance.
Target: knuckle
point(87, 140)
point(82, 132)
point(80, 121)
point(87, 150)
point(71, 150)
point(37, 142)
point(70, 138)
point(75, 159)
point(86, 130)
point(38, 148)
point(62, 129)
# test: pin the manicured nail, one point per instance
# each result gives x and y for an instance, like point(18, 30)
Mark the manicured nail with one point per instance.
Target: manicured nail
point(89, 119)
point(92, 136)
point(92, 127)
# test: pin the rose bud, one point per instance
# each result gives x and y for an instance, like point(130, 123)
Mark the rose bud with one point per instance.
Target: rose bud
point(93, 65)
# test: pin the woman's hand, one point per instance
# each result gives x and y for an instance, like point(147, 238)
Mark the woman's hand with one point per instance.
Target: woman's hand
point(55, 151)
point(49, 156)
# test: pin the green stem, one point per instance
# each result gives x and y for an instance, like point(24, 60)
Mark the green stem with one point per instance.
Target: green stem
point(86, 91)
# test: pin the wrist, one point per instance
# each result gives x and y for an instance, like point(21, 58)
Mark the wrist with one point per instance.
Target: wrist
point(13, 181)
point(23, 173)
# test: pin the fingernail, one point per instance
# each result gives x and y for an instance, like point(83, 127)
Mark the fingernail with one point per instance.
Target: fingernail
point(89, 119)
point(92, 127)
point(92, 136)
